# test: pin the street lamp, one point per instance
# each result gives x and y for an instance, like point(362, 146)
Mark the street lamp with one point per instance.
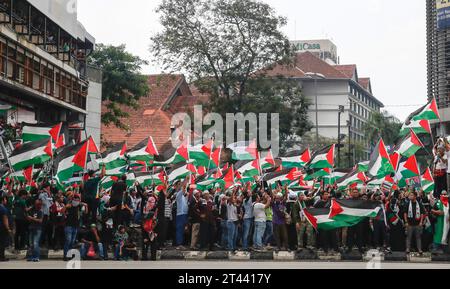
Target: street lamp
point(315, 76)
point(340, 137)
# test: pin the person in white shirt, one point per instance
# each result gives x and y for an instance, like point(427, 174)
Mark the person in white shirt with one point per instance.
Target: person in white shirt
point(259, 212)
point(440, 169)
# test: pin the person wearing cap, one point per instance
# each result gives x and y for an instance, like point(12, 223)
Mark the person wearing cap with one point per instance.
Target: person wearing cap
point(90, 191)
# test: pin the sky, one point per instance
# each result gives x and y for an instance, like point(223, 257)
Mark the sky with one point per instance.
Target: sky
point(386, 39)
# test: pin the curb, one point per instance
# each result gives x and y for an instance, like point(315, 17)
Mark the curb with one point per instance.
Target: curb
point(301, 256)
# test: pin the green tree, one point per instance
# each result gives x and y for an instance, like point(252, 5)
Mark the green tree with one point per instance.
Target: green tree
point(383, 125)
point(223, 45)
point(122, 82)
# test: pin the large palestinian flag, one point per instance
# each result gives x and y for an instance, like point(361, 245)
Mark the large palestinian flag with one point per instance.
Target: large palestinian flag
point(32, 153)
point(143, 151)
point(417, 126)
point(69, 160)
point(114, 160)
point(380, 164)
point(363, 166)
point(296, 159)
point(342, 213)
point(409, 145)
point(322, 159)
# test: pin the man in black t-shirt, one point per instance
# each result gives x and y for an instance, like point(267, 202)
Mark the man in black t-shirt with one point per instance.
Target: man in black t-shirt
point(73, 215)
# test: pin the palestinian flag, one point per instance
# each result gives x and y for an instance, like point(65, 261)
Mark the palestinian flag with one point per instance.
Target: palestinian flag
point(32, 153)
point(407, 169)
point(179, 172)
point(71, 159)
point(23, 176)
point(428, 112)
point(274, 178)
point(380, 164)
point(442, 223)
point(322, 159)
point(146, 179)
point(409, 145)
point(199, 157)
point(107, 182)
point(143, 151)
point(342, 213)
point(334, 176)
point(242, 151)
point(319, 174)
point(32, 133)
point(395, 159)
point(363, 166)
point(427, 182)
point(296, 159)
point(247, 168)
point(229, 178)
point(354, 177)
point(114, 160)
point(417, 126)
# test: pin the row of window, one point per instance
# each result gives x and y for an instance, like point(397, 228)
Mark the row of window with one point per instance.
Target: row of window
point(360, 110)
point(361, 96)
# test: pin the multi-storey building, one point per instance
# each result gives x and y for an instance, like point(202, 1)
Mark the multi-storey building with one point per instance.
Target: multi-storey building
point(43, 70)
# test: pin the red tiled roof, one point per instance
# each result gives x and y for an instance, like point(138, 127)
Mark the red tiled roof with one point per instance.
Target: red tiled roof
point(364, 82)
point(303, 63)
point(348, 70)
point(152, 118)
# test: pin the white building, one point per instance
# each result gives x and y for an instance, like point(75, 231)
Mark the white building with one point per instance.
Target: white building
point(43, 70)
point(334, 86)
point(323, 48)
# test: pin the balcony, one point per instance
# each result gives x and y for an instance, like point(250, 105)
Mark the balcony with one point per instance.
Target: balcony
point(20, 65)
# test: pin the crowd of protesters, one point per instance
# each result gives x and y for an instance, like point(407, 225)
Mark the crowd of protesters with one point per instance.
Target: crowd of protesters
point(119, 223)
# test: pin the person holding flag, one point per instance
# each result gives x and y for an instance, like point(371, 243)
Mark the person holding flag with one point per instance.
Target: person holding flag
point(441, 213)
point(90, 192)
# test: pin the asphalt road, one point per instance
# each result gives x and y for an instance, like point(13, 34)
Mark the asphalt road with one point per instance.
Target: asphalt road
point(230, 265)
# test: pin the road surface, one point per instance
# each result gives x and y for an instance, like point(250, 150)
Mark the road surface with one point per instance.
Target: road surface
point(228, 265)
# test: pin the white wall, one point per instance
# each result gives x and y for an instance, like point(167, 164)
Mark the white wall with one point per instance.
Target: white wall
point(93, 118)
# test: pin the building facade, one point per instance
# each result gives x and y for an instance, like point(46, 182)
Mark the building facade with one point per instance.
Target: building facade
point(335, 86)
point(43, 69)
point(438, 60)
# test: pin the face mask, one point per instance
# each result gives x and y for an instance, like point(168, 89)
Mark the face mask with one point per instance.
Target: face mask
point(75, 203)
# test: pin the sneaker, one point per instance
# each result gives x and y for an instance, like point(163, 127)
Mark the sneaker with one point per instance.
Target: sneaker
point(36, 260)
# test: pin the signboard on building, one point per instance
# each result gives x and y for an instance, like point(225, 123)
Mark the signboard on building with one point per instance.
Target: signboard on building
point(324, 49)
point(443, 14)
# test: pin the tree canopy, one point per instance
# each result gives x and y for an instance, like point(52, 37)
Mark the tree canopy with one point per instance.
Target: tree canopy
point(123, 84)
point(223, 45)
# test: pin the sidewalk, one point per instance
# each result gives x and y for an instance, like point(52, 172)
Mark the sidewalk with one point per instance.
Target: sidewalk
point(283, 256)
